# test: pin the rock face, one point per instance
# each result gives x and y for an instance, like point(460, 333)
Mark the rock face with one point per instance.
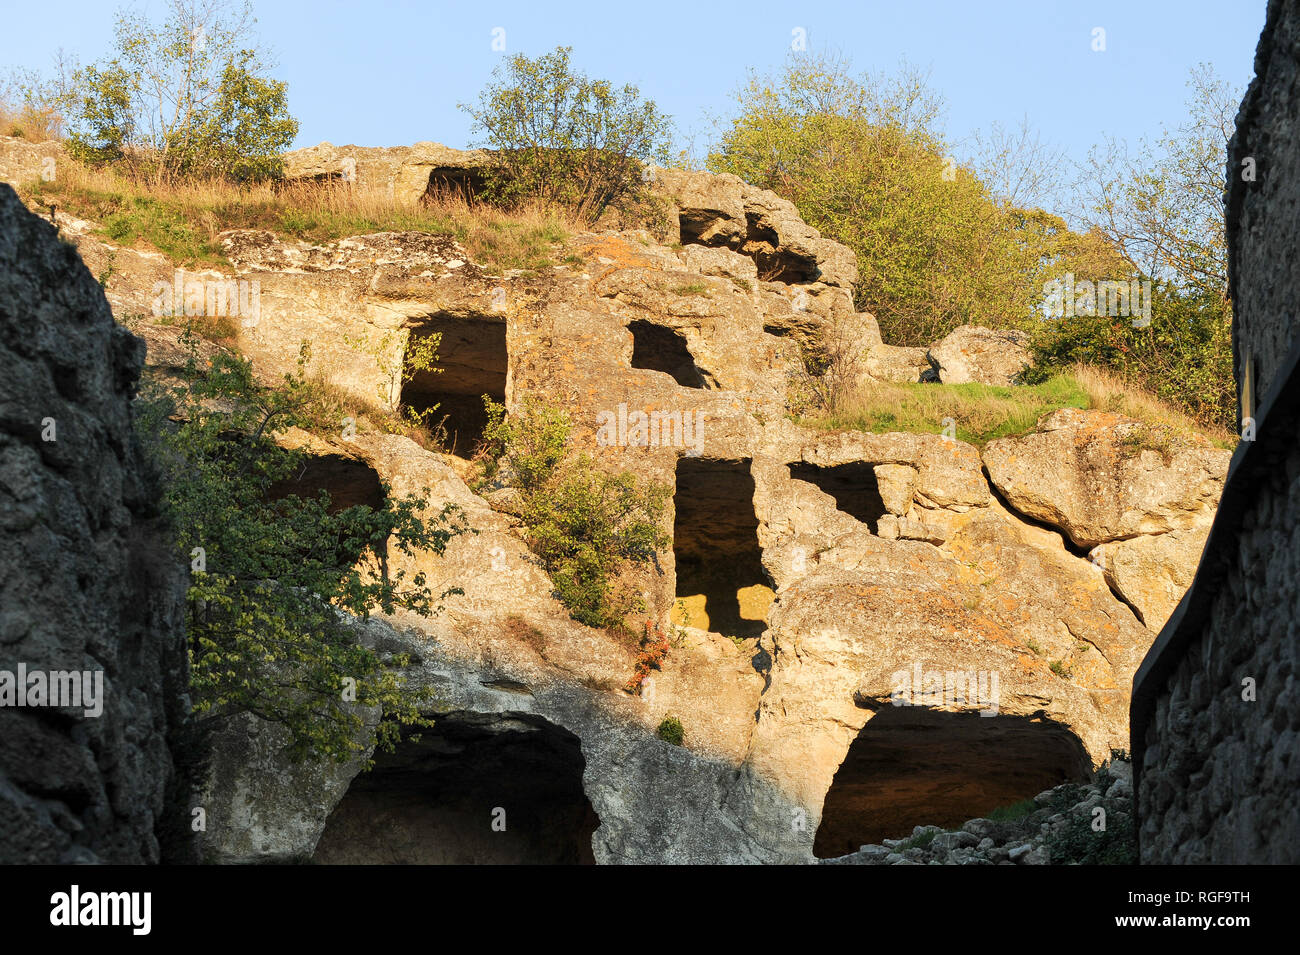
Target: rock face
point(980, 355)
point(91, 587)
point(22, 162)
point(1141, 501)
point(405, 173)
point(1216, 708)
point(1095, 475)
point(811, 573)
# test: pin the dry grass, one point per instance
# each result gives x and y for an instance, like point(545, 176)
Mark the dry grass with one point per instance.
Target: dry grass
point(183, 219)
point(1107, 391)
point(517, 628)
point(33, 125)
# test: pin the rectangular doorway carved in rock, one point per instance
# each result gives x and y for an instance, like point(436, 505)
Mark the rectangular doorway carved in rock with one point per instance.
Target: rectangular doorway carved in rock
point(471, 362)
point(721, 585)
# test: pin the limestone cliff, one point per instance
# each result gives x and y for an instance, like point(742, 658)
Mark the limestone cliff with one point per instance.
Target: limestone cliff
point(818, 580)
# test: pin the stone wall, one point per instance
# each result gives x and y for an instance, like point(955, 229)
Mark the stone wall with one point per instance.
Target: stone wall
point(1221, 764)
point(1263, 194)
point(1215, 714)
point(89, 583)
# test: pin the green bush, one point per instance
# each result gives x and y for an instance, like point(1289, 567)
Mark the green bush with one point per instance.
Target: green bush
point(584, 524)
point(1184, 355)
point(562, 138)
point(862, 159)
point(671, 731)
point(277, 582)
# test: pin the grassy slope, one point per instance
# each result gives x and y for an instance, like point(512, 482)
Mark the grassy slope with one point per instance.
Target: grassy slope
point(982, 413)
point(183, 220)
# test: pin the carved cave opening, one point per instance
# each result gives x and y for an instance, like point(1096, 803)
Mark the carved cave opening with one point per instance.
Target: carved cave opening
point(775, 264)
point(658, 348)
point(912, 766)
point(721, 585)
point(454, 184)
point(495, 788)
point(348, 481)
point(472, 362)
point(761, 243)
point(853, 486)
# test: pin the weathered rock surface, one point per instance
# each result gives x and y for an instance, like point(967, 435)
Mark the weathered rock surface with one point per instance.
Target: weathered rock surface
point(1099, 477)
point(90, 583)
point(23, 162)
point(1152, 572)
point(882, 551)
point(724, 210)
point(981, 355)
point(405, 173)
point(1216, 713)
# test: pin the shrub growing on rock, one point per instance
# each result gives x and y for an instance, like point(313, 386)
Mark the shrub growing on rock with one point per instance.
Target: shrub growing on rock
point(671, 731)
point(862, 158)
point(276, 584)
point(585, 524)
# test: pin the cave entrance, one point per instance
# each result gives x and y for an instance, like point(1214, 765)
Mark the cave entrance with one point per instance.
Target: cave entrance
point(454, 183)
point(434, 801)
point(774, 263)
point(659, 348)
point(853, 486)
point(911, 766)
point(349, 482)
point(761, 243)
point(471, 362)
point(721, 585)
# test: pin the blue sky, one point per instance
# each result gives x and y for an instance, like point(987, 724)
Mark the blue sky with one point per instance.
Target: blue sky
point(384, 72)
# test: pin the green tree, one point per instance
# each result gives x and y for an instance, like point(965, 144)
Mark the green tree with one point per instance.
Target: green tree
point(184, 96)
point(280, 583)
point(243, 134)
point(862, 159)
point(585, 525)
point(1162, 209)
point(560, 137)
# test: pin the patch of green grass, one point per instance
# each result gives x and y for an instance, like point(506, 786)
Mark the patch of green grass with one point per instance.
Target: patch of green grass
point(917, 842)
point(1061, 669)
point(182, 220)
point(127, 219)
point(978, 413)
point(690, 288)
point(1017, 810)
